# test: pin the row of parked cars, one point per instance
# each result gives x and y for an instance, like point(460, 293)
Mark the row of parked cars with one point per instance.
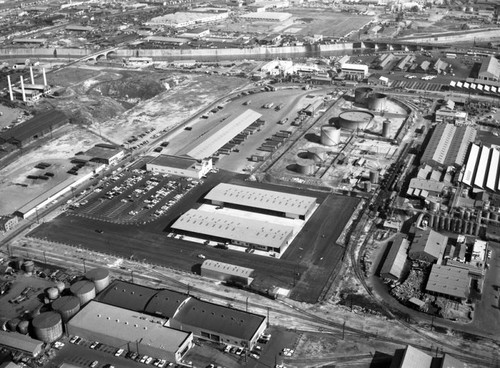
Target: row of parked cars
point(160, 363)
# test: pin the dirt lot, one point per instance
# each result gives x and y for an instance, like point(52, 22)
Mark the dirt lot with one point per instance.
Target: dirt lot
point(326, 23)
point(18, 190)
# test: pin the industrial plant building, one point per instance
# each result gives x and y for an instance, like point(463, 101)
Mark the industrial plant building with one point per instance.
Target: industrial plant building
point(180, 165)
point(490, 70)
point(122, 328)
point(411, 357)
point(448, 145)
point(41, 125)
point(21, 343)
point(205, 320)
point(102, 153)
point(451, 282)
point(227, 272)
point(206, 145)
point(481, 169)
point(428, 245)
point(29, 92)
point(186, 19)
point(268, 201)
point(236, 230)
point(354, 71)
point(267, 16)
point(395, 262)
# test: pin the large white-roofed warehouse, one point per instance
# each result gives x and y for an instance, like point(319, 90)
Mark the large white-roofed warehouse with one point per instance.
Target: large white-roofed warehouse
point(206, 145)
point(268, 201)
point(130, 330)
point(237, 230)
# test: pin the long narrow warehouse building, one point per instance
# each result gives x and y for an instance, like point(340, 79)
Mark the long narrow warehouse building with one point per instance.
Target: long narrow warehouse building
point(206, 145)
point(482, 168)
point(269, 201)
point(448, 145)
point(240, 231)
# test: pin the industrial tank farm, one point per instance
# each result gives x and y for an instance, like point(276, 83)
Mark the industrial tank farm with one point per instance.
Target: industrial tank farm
point(354, 119)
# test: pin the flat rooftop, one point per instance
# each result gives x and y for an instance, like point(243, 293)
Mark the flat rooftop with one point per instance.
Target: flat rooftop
point(178, 162)
point(235, 228)
point(449, 280)
point(128, 325)
point(261, 198)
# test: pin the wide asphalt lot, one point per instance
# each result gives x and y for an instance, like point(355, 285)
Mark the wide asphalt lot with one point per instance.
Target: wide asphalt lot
point(307, 264)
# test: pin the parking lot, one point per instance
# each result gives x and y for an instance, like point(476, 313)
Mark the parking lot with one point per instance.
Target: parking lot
point(92, 354)
point(132, 196)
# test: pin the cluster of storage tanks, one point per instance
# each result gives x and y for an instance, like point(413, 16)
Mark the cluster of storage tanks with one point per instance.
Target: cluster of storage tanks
point(48, 326)
point(464, 220)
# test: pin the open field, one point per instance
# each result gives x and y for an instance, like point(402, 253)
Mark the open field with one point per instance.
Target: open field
point(326, 23)
point(307, 263)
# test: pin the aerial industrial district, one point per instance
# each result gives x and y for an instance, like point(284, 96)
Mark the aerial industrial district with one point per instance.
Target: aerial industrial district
point(267, 183)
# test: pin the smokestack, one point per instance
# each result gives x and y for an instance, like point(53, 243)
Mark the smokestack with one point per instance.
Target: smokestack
point(22, 89)
point(10, 88)
point(31, 75)
point(44, 77)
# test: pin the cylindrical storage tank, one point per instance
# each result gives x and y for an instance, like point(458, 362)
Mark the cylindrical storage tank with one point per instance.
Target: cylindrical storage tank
point(478, 227)
point(368, 186)
point(48, 326)
point(447, 223)
point(52, 293)
point(462, 212)
point(374, 177)
point(386, 128)
point(354, 119)
point(29, 266)
point(84, 290)
point(23, 327)
point(440, 222)
point(330, 136)
point(361, 95)
point(17, 263)
point(377, 102)
point(60, 285)
point(434, 206)
point(12, 324)
point(431, 221)
point(318, 154)
point(305, 166)
point(66, 306)
point(100, 278)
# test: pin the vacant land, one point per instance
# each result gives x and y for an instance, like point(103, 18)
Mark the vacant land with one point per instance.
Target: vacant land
point(326, 23)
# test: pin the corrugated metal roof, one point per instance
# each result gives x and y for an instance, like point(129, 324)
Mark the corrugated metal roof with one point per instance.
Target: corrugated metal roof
point(396, 258)
point(448, 280)
point(206, 145)
point(220, 320)
point(493, 170)
point(127, 295)
point(227, 268)
point(261, 198)
point(166, 303)
point(482, 166)
point(235, 228)
point(20, 342)
point(414, 358)
point(429, 242)
point(471, 165)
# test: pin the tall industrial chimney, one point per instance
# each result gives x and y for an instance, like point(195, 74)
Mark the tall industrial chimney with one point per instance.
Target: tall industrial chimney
point(22, 89)
point(31, 75)
point(10, 88)
point(44, 77)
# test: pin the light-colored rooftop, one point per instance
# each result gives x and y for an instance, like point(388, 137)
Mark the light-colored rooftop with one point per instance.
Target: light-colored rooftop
point(261, 198)
point(448, 280)
point(234, 228)
point(268, 16)
point(206, 145)
point(226, 268)
point(128, 325)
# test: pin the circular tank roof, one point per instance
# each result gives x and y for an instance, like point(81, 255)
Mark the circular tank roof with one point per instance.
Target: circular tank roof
point(96, 274)
point(357, 116)
point(66, 303)
point(82, 287)
point(46, 320)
